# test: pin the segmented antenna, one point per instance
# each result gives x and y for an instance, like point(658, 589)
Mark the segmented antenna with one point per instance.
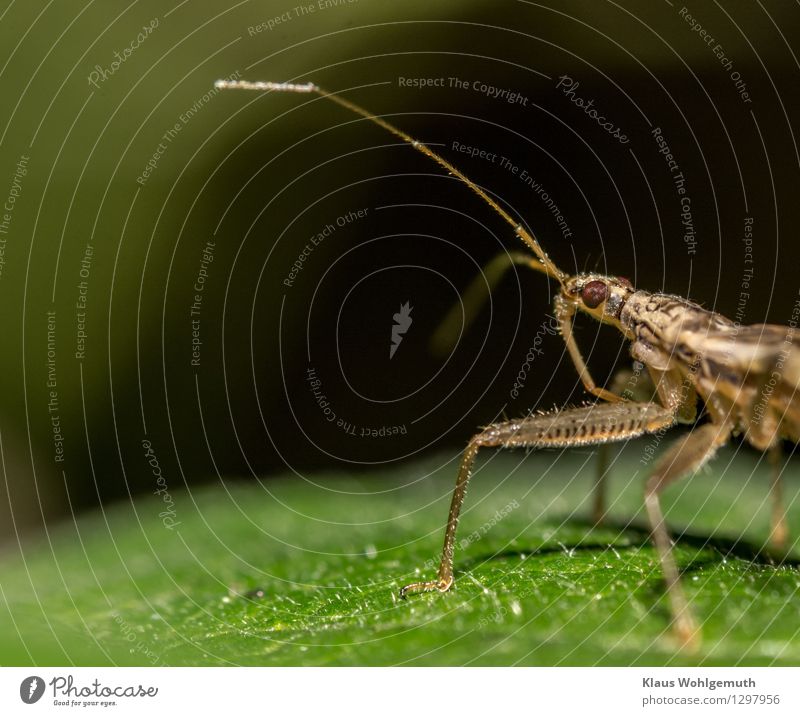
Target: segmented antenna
point(546, 266)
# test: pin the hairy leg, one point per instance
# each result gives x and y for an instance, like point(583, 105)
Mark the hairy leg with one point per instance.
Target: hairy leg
point(590, 425)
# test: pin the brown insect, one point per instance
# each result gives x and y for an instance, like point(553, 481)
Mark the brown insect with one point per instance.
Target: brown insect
point(747, 378)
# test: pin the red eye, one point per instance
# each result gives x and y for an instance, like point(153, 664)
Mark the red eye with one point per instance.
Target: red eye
point(594, 293)
point(625, 282)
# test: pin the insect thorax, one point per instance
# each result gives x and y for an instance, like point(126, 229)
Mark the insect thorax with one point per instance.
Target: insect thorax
point(669, 323)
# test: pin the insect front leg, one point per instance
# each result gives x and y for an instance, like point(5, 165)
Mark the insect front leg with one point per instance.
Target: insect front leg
point(590, 425)
point(682, 459)
point(565, 314)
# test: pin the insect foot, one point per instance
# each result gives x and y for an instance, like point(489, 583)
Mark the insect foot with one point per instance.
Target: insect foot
point(439, 585)
point(687, 633)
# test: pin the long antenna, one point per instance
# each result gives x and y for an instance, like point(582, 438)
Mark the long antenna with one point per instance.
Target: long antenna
point(546, 266)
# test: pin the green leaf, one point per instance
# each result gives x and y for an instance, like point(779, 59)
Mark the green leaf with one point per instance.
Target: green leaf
point(301, 572)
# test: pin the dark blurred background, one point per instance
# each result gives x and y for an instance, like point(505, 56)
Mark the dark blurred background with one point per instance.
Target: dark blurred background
point(136, 188)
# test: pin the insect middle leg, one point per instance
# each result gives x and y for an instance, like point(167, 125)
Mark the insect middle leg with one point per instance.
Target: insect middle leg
point(779, 533)
point(670, 388)
point(635, 385)
point(683, 458)
point(590, 425)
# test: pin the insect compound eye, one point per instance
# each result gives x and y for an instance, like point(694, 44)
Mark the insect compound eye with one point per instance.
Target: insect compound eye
point(594, 293)
point(625, 282)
